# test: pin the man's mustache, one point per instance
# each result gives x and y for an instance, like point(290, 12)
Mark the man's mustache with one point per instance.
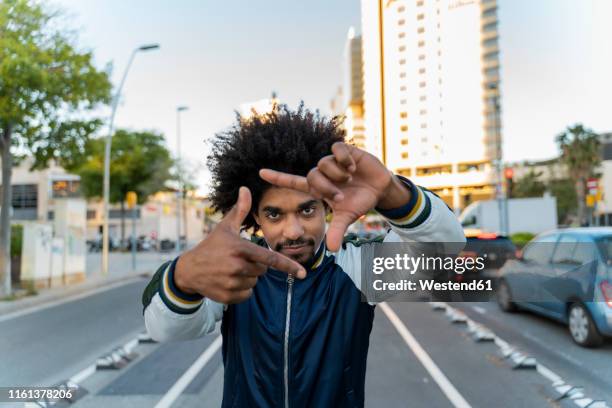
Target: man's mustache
point(295, 242)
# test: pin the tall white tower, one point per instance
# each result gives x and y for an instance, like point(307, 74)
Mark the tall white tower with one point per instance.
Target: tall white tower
point(431, 92)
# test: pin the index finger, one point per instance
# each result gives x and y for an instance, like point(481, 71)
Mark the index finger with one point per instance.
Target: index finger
point(273, 259)
point(280, 179)
point(342, 154)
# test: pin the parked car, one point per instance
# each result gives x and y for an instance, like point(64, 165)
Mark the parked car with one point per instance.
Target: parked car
point(494, 250)
point(95, 245)
point(166, 245)
point(143, 243)
point(564, 275)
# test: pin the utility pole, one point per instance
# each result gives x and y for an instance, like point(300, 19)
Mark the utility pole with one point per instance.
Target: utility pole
point(179, 193)
point(500, 195)
point(107, 153)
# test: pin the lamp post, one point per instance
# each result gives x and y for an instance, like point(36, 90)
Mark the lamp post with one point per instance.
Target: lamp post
point(500, 195)
point(179, 170)
point(107, 152)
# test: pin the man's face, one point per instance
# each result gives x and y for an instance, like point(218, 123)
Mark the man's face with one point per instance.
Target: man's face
point(292, 222)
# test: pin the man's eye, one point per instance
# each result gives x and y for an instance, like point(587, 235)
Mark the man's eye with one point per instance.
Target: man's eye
point(272, 215)
point(308, 211)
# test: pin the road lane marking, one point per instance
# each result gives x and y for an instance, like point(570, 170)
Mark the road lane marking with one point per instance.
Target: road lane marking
point(82, 375)
point(548, 373)
point(438, 376)
point(177, 389)
point(479, 309)
point(53, 303)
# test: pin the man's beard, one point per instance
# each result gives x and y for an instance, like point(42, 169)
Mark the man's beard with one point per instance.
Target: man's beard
point(302, 258)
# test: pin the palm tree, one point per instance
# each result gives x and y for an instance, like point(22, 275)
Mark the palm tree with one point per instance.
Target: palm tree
point(580, 152)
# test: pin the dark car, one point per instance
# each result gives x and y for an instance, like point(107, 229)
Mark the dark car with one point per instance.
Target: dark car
point(565, 275)
point(493, 249)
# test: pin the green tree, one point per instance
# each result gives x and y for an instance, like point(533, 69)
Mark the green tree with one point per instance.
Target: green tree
point(528, 186)
point(565, 192)
point(140, 162)
point(580, 153)
point(47, 87)
point(562, 189)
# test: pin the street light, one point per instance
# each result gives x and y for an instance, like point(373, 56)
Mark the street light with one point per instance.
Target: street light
point(500, 195)
point(179, 170)
point(107, 152)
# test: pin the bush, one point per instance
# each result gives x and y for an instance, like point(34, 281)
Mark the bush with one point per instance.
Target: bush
point(16, 239)
point(520, 239)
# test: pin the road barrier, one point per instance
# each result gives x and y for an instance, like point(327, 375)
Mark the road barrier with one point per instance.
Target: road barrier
point(565, 395)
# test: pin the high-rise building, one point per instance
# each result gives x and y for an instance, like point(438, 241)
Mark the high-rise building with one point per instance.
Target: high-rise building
point(431, 93)
point(337, 103)
point(348, 100)
point(353, 86)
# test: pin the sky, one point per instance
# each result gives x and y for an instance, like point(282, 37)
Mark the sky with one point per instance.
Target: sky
point(555, 63)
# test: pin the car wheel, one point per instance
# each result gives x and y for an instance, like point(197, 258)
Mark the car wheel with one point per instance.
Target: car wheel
point(504, 298)
point(581, 326)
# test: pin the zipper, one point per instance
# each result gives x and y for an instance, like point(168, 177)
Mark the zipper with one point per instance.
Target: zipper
point(286, 342)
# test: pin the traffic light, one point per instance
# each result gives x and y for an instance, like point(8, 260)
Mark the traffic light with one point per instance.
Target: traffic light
point(509, 176)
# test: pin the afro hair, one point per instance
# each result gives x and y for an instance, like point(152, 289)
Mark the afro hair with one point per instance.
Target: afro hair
point(283, 140)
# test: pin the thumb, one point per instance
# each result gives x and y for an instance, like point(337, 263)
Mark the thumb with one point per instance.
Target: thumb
point(337, 228)
point(236, 216)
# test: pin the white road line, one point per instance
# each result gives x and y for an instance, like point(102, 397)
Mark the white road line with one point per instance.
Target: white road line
point(175, 391)
point(131, 344)
point(479, 309)
point(58, 302)
point(548, 373)
point(79, 377)
point(438, 376)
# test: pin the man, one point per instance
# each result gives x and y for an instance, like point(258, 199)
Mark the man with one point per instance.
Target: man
point(295, 330)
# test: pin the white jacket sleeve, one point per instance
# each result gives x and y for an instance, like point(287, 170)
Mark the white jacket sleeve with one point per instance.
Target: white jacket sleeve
point(426, 218)
point(173, 315)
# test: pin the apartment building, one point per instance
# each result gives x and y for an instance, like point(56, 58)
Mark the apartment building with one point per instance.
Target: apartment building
point(431, 93)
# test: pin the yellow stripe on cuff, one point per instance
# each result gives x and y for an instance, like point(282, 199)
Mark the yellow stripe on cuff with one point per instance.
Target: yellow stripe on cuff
point(174, 297)
point(414, 210)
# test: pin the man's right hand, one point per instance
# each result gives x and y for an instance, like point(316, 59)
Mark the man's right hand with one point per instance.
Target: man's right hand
point(224, 267)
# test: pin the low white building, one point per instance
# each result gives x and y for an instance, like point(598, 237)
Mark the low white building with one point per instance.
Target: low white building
point(155, 219)
point(35, 194)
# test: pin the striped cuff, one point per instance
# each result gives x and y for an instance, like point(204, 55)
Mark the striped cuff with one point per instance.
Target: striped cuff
point(414, 212)
point(177, 300)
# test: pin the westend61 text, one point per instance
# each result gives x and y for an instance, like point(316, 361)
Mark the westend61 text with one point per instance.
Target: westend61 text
point(429, 285)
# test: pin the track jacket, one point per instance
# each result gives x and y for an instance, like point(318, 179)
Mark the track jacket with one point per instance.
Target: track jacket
point(297, 343)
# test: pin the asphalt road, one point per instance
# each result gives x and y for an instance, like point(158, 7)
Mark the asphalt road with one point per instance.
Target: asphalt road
point(45, 347)
point(417, 358)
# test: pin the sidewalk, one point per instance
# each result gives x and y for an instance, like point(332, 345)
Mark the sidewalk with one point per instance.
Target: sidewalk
point(120, 270)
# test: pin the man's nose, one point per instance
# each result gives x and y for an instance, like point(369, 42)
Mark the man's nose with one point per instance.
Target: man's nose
point(293, 229)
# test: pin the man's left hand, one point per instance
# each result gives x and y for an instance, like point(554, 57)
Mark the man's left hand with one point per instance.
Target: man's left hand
point(350, 180)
